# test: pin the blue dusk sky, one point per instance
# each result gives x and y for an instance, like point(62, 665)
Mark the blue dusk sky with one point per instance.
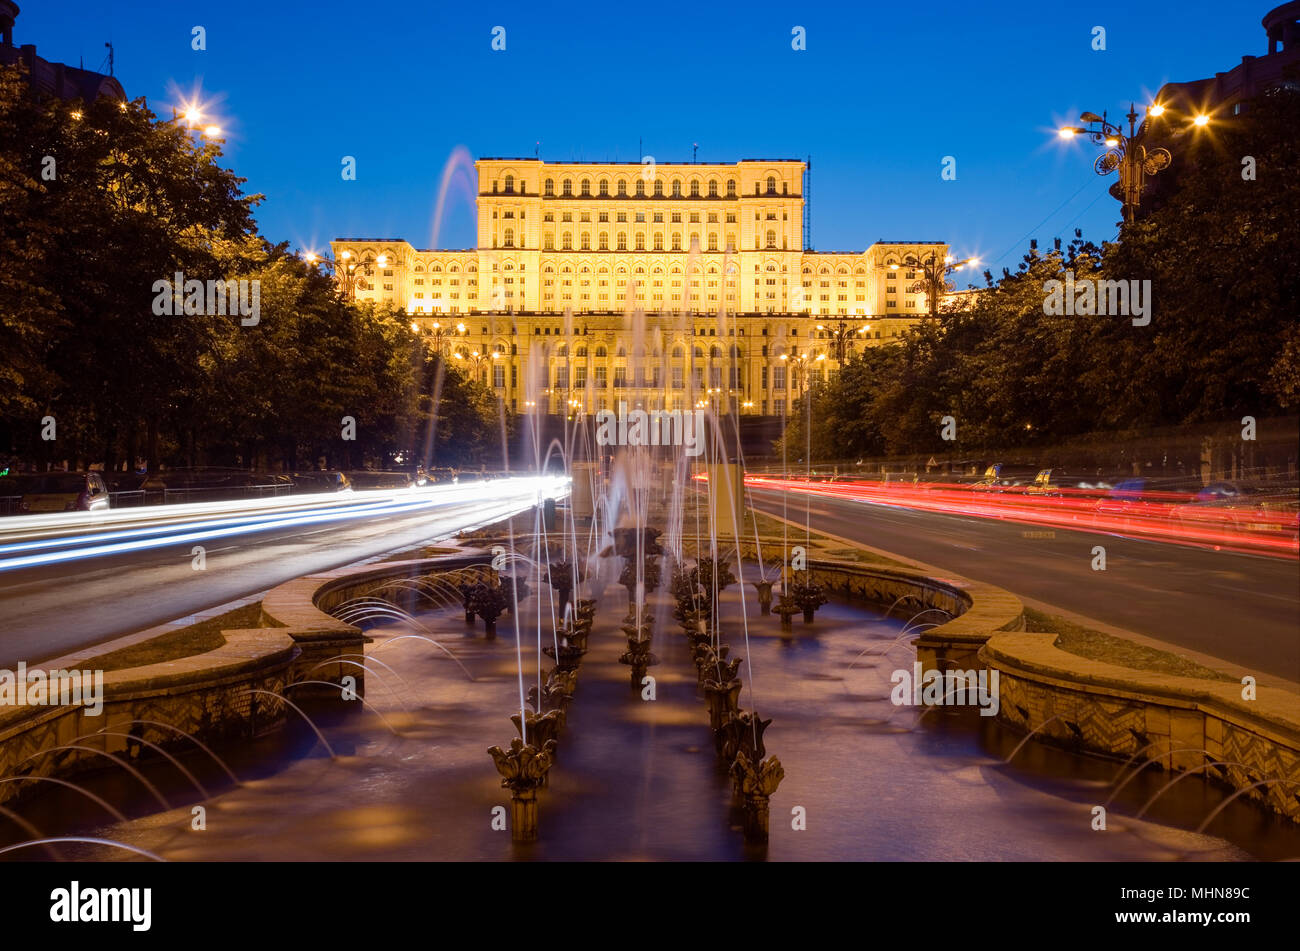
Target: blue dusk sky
point(879, 97)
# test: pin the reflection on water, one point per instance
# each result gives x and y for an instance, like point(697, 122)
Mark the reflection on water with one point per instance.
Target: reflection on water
point(638, 779)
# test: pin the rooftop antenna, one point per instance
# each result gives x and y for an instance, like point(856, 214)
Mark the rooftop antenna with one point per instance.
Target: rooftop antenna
point(110, 58)
point(537, 148)
point(694, 152)
point(640, 149)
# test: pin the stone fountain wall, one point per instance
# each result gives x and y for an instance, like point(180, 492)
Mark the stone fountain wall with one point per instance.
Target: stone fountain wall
point(206, 695)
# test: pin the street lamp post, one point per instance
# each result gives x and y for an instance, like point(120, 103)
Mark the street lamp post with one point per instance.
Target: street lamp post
point(1127, 153)
point(842, 336)
point(934, 275)
point(345, 270)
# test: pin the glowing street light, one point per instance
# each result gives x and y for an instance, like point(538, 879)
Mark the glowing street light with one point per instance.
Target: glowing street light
point(934, 275)
point(1126, 153)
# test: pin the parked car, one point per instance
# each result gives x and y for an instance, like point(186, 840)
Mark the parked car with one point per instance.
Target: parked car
point(53, 492)
point(1004, 478)
point(366, 479)
point(1058, 482)
point(1142, 499)
point(1241, 507)
point(321, 481)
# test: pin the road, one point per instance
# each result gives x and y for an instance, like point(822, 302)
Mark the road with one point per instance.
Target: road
point(50, 609)
point(1243, 608)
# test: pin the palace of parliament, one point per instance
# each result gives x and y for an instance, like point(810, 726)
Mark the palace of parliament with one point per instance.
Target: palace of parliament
point(668, 286)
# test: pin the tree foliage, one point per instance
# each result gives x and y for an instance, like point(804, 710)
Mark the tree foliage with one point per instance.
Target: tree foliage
point(1222, 253)
point(100, 201)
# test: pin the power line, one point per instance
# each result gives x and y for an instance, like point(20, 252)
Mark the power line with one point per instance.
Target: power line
point(1018, 242)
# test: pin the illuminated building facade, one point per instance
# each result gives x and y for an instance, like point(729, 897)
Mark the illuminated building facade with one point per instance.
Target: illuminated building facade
point(663, 286)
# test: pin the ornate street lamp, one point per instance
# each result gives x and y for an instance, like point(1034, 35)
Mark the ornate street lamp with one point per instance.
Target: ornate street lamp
point(843, 336)
point(1126, 153)
point(934, 276)
point(345, 269)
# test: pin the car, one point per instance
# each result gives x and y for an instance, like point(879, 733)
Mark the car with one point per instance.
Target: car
point(1144, 500)
point(368, 479)
point(1000, 477)
point(53, 492)
point(321, 481)
point(1061, 482)
point(1244, 508)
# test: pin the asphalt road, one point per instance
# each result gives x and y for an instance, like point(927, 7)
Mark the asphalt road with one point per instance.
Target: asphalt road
point(50, 610)
point(1242, 608)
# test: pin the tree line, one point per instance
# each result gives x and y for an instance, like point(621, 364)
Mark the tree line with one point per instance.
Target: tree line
point(1221, 250)
point(101, 201)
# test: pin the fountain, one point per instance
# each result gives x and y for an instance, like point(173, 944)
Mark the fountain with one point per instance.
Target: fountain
point(523, 769)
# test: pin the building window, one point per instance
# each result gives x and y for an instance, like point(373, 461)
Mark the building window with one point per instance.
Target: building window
point(550, 188)
point(604, 241)
point(586, 241)
point(508, 236)
point(771, 239)
point(659, 188)
point(677, 240)
point(586, 188)
point(566, 241)
point(604, 187)
point(731, 188)
point(568, 187)
point(640, 188)
point(659, 241)
point(510, 184)
point(622, 188)
point(640, 241)
point(677, 189)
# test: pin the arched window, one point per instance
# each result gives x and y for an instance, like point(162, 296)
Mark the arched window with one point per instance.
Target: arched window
point(568, 186)
point(659, 188)
point(586, 186)
point(622, 188)
point(677, 189)
point(695, 241)
point(659, 241)
point(508, 236)
point(604, 187)
point(679, 352)
point(622, 240)
point(640, 240)
point(695, 189)
point(581, 351)
point(713, 188)
point(640, 188)
point(550, 187)
point(566, 241)
point(601, 351)
point(586, 241)
point(731, 188)
point(771, 238)
point(771, 184)
point(714, 353)
point(510, 184)
point(677, 240)
point(713, 241)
